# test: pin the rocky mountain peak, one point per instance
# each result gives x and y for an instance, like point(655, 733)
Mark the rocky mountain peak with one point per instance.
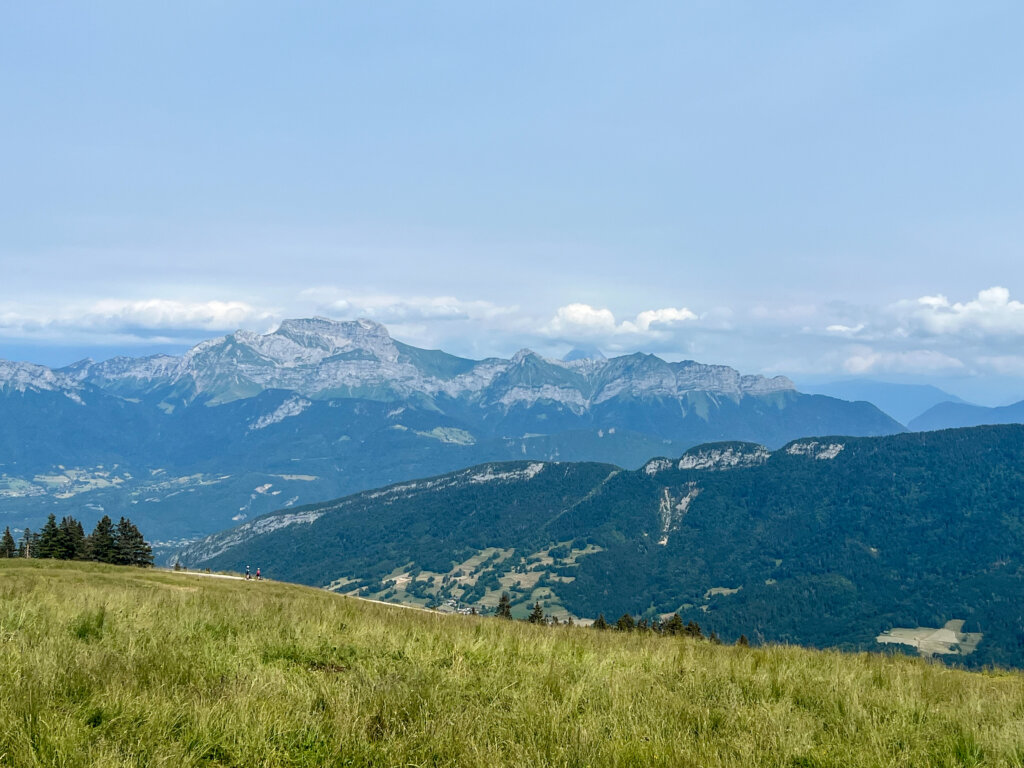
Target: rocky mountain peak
point(20, 377)
point(314, 331)
point(522, 355)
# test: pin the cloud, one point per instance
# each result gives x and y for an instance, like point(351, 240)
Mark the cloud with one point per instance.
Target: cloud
point(845, 329)
point(1003, 365)
point(575, 321)
point(168, 314)
point(387, 308)
point(118, 320)
point(992, 312)
point(662, 317)
point(924, 361)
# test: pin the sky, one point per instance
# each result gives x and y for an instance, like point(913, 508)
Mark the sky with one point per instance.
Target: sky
point(820, 190)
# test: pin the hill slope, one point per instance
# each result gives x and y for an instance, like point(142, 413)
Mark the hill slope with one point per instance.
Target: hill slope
point(904, 402)
point(825, 542)
point(248, 423)
point(118, 667)
point(951, 415)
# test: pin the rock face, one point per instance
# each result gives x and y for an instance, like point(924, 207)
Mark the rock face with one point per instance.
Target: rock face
point(27, 377)
point(320, 358)
point(221, 432)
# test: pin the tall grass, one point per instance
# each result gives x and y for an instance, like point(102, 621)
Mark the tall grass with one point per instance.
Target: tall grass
point(104, 666)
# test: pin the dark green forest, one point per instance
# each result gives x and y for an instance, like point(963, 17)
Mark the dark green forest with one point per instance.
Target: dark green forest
point(120, 544)
point(911, 530)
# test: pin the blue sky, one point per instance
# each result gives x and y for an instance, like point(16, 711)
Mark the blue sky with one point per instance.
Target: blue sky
point(816, 189)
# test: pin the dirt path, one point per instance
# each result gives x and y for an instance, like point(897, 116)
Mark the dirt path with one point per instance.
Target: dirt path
point(242, 578)
point(207, 575)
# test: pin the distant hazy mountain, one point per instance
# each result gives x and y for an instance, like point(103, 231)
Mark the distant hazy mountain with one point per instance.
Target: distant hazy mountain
point(946, 415)
point(901, 401)
point(830, 541)
point(246, 423)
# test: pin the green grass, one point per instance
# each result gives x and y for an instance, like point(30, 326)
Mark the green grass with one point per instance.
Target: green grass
point(106, 666)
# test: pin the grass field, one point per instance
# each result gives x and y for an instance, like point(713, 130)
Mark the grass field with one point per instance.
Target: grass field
point(107, 666)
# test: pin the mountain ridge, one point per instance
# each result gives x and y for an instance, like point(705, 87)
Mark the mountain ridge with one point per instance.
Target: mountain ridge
point(245, 422)
point(831, 541)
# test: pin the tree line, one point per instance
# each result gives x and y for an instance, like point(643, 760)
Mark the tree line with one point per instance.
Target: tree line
point(121, 544)
point(673, 626)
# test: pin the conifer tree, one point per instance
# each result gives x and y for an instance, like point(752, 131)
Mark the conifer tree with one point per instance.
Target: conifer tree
point(7, 546)
point(743, 642)
point(693, 630)
point(674, 626)
point(130, 548)
point(100, 544)
point(71, 540)
point(599, 622)
point(504, 606)
point(536, 615)
point(49, 539)
point(625, 623)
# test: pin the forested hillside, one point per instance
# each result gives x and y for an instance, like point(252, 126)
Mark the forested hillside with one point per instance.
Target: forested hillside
point(826, 542)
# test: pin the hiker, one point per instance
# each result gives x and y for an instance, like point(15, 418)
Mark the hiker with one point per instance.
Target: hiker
point(247, 574)
point(258, 577)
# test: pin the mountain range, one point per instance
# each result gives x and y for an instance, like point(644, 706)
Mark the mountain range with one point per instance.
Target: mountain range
point(946, 415)
point(247, 423)
point(837, 541)
point(904, 402)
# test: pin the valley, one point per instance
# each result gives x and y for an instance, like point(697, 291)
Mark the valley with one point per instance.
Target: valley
point(187, 443)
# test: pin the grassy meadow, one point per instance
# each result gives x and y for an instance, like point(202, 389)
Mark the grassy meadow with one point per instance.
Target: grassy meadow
point(109, 666)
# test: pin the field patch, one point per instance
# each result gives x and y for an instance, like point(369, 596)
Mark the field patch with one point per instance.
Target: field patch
point(929, 641)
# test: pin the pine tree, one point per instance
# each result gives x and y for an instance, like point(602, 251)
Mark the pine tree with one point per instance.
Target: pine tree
point(743, 642)
point(693, 630)
point(625, 623)
point(72, 539)
point(49, 539)
point(536, 615)
point(100, 544)
point(674, 626)
point(129, 545)
point(504, 606)
point(599, 622)
point(7, 546)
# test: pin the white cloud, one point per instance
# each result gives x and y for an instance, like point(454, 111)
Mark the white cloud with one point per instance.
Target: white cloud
point(584, 321)
point(388, 308)
point(118, 320)
point(866, 360)
point(992, 312)
point(846, 330)
point(164, 313)
point(663, 317)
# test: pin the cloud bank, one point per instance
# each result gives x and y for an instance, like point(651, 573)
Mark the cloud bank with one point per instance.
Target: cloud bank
point(930, 335)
